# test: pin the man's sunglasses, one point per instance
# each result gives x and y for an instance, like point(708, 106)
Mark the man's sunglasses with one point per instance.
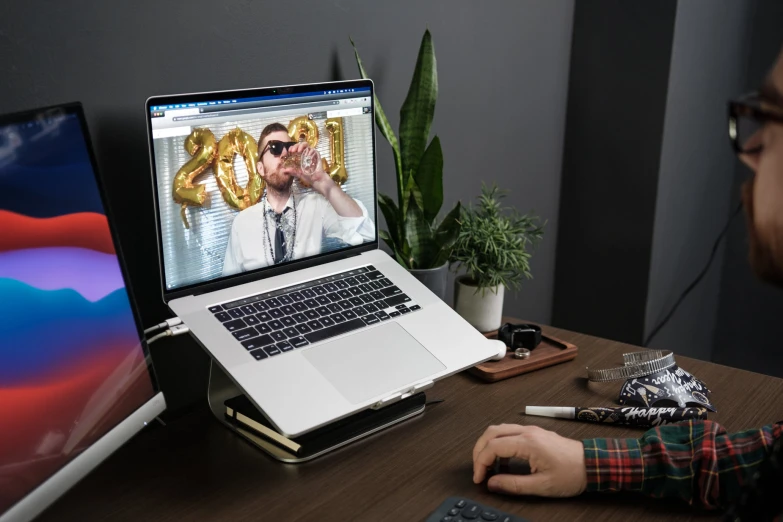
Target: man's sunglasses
point(276, 147)
point(747, 116)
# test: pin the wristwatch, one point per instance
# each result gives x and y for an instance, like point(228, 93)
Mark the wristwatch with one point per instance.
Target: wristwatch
point(520, 335)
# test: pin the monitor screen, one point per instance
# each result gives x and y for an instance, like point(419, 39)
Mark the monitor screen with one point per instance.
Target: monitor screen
point(246, 180)
point(72, 366)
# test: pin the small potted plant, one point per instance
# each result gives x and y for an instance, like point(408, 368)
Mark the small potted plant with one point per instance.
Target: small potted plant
point(494, 248)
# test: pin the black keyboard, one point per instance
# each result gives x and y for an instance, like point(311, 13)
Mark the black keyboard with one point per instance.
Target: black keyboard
point(275, 322)
point(458, 509)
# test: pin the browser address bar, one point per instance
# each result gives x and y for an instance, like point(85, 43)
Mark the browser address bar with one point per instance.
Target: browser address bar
point(356, 111)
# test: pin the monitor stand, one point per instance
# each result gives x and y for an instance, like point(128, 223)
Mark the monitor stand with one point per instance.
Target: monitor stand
point(222, 388)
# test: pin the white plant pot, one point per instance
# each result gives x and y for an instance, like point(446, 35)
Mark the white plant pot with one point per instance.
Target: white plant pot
point(483, 310)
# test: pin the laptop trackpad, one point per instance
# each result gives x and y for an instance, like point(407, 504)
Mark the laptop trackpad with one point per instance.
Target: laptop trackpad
point(373, 362)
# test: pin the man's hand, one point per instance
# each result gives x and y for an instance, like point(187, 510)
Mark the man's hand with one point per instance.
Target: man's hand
point(324, 185)
point(319, 180)
point(557, 464)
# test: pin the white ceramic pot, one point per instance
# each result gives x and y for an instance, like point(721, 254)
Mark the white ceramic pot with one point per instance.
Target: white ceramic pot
point(484, 310)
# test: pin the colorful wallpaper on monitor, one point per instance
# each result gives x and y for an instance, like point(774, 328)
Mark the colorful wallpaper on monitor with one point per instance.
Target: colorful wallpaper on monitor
point(71, 365)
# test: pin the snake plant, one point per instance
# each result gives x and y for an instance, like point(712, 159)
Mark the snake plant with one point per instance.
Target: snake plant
point(418, 239)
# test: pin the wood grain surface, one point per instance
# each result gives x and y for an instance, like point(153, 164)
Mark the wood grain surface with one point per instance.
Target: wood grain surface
point(549, 352)
point(195, 469)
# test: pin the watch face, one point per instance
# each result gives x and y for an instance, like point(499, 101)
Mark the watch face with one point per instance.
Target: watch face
point(520, 335)
point(673, 386)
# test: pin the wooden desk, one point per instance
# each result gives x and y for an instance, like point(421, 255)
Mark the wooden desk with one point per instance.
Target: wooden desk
point(195, 469)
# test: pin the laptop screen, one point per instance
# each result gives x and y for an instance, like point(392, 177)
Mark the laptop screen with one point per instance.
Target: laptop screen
point(72, 366)
point(247, 180)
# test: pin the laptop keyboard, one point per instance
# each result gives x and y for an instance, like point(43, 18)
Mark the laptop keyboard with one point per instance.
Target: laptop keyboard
point(275, 322)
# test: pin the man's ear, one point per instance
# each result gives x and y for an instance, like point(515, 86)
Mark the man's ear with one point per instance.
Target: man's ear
point(260, 168)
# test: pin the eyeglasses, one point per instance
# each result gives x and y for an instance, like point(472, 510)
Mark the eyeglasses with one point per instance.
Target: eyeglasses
point(747, 117)
point(276, 147)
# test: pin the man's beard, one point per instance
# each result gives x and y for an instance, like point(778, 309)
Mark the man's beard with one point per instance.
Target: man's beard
point(278, 181)
point(762, 259)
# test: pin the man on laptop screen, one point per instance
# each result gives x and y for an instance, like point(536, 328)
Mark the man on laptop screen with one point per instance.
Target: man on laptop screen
point(288, 222)
point(232, 191)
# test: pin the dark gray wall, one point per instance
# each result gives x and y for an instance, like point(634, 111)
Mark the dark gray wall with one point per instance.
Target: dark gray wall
point(503, 72)
point(616, 101)
point(749, 326)
point(695, 180)
point(649, 179)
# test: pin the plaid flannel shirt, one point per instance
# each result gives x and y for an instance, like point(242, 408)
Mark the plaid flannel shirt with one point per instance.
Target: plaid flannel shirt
point(696, 461)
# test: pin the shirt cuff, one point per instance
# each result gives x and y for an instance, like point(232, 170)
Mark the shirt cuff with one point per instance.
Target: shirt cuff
point(613, 464)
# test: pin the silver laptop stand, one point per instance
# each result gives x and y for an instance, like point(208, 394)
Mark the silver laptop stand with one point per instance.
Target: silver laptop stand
point(222, 388)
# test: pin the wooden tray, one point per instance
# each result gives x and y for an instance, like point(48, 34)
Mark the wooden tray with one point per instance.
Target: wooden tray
point(551, 351)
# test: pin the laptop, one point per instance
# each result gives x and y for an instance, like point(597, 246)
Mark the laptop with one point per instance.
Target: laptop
point(266, 210)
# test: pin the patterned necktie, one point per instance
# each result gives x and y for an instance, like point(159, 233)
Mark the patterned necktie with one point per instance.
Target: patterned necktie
point(280, 247)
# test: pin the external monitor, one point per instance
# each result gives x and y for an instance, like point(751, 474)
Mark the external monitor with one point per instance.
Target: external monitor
point(76, 380)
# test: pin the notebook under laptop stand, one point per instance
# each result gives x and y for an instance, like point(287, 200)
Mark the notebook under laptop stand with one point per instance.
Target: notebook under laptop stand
point(222, 388)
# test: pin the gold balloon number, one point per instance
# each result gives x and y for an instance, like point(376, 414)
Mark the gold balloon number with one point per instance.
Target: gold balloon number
point(239, 142)
point(336, 171)
point(202, 146)
point(305, 129)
